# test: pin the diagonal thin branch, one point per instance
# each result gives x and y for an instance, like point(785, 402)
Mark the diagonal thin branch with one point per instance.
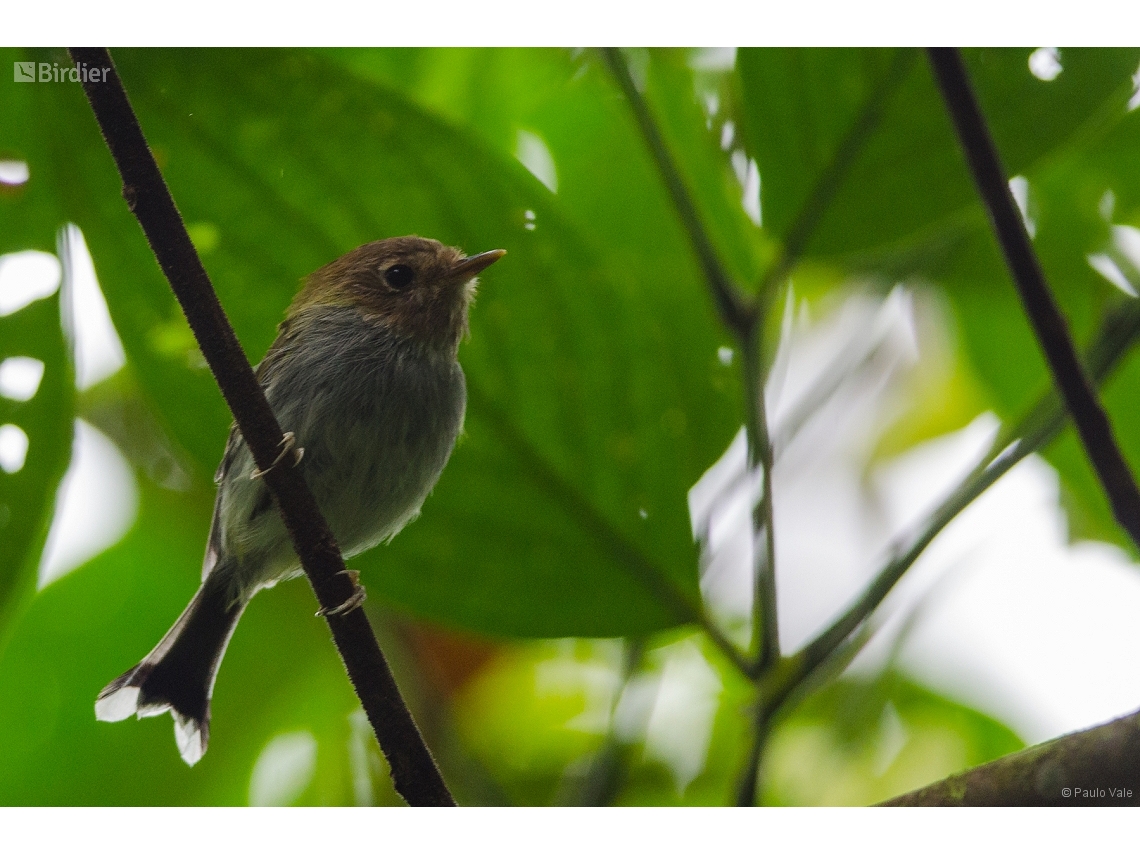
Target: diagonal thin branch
point(1119, 331)
point(765, 617)
point(1048, 323)
point(414, 773)
point(832, 177)
point(738, 311)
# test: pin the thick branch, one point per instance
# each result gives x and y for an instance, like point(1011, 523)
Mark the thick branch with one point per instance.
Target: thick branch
point(1099, 766)
point(414, 772)
point(1048, 323)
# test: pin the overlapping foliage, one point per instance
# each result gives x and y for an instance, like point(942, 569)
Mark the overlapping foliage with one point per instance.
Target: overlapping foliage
point(597, 396)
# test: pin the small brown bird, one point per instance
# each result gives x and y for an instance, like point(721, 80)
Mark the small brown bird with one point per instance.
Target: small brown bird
point(365, 377)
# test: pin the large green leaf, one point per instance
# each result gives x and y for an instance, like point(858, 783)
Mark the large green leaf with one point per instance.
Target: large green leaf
point(596, 398)
point(908, 182)
point(29, 219)
point(27, 496)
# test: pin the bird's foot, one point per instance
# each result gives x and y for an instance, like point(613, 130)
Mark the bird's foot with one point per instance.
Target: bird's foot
point(288, 444)
point(355, 599)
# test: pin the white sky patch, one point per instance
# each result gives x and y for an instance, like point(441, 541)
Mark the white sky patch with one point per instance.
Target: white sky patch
point(712, 59)
point(1019, 188)
point(1103, 264)
point(1045, 63)
point(751, 197)
point(96, 505)
point(720, 510)
point(1027, 627)
point(748, 174)
point(727, 135)
point(533, 153)
point(20, 377)
point(1127, 240)
point(14, 172)
point(1107, 205)
point(26, 277)
point(1023, 625)
point(711, 102)
point(283, 770)
point(13, 448)
point(827, 377)
point(679, 729)
point(98, 350)
point(1120, 265)
point(1134, 101)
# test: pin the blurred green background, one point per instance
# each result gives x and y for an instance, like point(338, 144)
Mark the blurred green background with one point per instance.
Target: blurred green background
point(553, 575)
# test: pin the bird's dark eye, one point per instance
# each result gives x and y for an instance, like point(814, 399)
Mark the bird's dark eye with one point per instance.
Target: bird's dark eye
point(399, 276)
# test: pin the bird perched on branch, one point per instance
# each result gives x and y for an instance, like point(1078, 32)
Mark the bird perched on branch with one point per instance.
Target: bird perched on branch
point(364, 374)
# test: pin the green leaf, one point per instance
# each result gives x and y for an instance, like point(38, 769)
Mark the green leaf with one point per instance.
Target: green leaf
point(1067, 198)
point(280, 675)
point(858, 743)
point(908, 184)
point(27, 496)
point(596, 397)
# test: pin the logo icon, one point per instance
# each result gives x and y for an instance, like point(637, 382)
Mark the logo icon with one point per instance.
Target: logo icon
point(24, 72)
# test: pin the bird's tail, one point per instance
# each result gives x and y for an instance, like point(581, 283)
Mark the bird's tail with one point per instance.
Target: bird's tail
point(178, 675)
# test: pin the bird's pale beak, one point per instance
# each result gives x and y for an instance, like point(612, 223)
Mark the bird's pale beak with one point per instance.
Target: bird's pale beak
point(476, 264)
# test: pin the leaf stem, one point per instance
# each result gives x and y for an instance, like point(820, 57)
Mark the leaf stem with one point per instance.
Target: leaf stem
point(832, 177)
point(765, 625)
point(737, 309)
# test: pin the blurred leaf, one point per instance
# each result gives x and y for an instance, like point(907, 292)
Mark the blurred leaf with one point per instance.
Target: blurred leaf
point(280, 675)
point(29, 212)
point(695, 145)
point(1066, 200)
point(858, 743)
point(27, 496)
point(592, 410)
point(30, 215)
point(536, 710)
point(909, 182)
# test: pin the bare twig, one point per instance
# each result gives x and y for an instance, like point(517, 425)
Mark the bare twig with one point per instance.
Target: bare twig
point(765, 625)
point(1120, 330)
point(779, 678)
point(1052, 331)
point(414, 772)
